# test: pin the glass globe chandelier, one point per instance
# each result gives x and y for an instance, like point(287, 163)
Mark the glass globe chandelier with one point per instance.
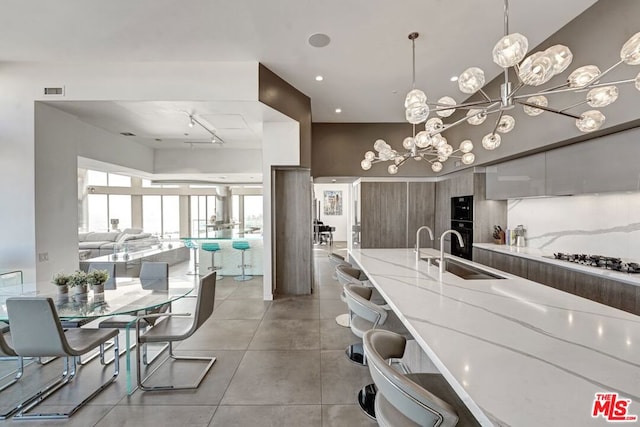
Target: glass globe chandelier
point(532, 71)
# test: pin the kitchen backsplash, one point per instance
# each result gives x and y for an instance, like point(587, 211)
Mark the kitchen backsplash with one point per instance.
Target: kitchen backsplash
point(607, 224)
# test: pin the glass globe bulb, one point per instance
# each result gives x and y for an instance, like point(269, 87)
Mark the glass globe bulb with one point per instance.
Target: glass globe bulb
point(638, 81)
point(442, 158)
point(379, 145)
point(365, 164)
point(602, 96)
point(386, 154)
point(415, 97)
point(423, 140)
point(476, 116)
point(446, 150)
point(446, 100)
point(434, 124)
point(408, 143)
point(471, 80)
point(436, 166)
point(510, 50)
point(417, 158)
point(369, 155)
point(491, 141)
point(398, 159)
point(630, 52)
point(537, 100)
point(582, 76)
point(392, 169)
point(417, 113)
point(468, 158)
point(438, 141)
point(466, 146)
point(561, 57)
point(506, 124)
point(537, 69)
point(590, 121)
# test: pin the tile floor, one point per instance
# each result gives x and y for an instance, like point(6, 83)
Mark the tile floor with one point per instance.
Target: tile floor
point(279, 363)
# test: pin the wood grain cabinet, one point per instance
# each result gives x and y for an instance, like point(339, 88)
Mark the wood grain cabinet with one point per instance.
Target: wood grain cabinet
point(599, 289)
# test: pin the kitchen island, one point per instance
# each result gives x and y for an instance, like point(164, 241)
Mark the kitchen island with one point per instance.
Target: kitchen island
point(517, 352)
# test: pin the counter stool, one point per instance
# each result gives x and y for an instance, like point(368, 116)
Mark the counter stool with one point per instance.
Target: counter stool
point(243, 246)
point(212, 247)
point(190, 244)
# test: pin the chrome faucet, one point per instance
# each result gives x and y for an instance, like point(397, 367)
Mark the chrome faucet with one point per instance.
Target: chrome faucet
point(442, 259)
point(418, 239)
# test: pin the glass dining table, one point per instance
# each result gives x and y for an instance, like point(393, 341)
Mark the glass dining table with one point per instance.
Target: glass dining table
point(129, 297)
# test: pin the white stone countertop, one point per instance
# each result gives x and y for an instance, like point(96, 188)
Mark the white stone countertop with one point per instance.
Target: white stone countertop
point(538, 255)
point(517, 352)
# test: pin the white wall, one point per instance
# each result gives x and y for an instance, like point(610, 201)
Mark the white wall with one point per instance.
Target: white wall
point(22, 83)
point(337, 221)
point(280, 147)
point(605, 224)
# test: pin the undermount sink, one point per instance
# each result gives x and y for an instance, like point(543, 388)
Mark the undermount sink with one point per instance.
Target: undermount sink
point(464, 271)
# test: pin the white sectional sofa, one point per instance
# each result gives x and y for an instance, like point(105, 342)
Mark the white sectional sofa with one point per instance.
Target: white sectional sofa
point(94, 244)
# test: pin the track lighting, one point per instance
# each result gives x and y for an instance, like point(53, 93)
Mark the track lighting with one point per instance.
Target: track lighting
point(215, 139)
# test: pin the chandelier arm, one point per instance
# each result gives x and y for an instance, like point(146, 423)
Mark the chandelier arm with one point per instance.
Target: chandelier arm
point(602, 74)
point(484, 94)
point(575, 105)
point(551, 110)
point(465, 105)
point(463, 119)
point(573, 89)
point(495, 127)
point(514, 91)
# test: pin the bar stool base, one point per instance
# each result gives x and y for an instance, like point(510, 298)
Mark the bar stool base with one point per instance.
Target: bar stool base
point(343, 320)
point(242, 278)
point(355, 353)
point(367, 399)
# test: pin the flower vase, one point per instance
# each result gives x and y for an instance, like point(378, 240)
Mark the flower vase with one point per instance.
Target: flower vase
point(98, 289)
point(63, 290)
point(81, 289)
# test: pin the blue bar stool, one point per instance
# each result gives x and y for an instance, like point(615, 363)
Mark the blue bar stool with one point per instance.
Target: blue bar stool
point(213, 248)
point(242, 245)
point(188, 243)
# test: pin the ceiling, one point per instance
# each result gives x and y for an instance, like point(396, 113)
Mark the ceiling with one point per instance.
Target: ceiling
point(366, 67)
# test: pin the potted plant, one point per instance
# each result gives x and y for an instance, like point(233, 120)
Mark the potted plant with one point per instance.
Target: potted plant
point(97, 279)
point(78, 280)
point(61, 281)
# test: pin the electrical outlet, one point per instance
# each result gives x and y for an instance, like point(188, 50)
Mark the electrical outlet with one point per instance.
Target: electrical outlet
point(43, 257)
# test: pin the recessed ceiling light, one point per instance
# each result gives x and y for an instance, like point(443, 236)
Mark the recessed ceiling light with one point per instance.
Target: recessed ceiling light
point(338, 110)
point(319, 78)
point(319, 40)
point(454, 79)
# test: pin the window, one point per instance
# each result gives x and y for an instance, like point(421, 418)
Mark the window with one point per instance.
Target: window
point(253, 211)
point(115, 180)
point(152, 214)
point(203, 209)
point(120, 208)
point(96, 178)
point(171, 217)
point(97, 212)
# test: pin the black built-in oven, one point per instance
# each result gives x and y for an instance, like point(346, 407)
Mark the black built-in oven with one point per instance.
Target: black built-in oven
point(465, 228)
point(462, 208)
point(462, 222)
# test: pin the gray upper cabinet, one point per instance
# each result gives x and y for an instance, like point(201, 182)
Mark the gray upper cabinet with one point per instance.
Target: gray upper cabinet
point(523, 177)
point(587, 167)
point(583, 168)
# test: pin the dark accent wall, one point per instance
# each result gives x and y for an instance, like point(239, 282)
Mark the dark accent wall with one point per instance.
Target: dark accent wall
point(338, 149)
point(281, 96)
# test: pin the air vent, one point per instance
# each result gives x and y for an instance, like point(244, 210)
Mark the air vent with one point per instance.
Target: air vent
point(54, 91)
point(127, 134)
